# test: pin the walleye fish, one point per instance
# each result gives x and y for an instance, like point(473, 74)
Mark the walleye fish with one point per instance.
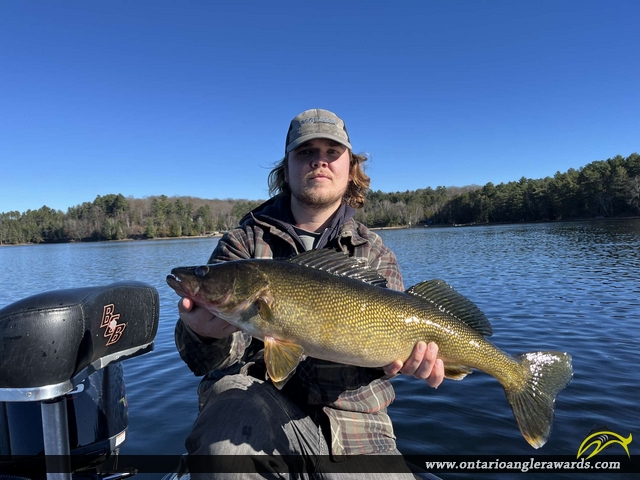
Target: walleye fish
point(326, 305)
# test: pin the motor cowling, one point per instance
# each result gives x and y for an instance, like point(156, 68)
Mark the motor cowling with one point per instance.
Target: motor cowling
point(66, 345)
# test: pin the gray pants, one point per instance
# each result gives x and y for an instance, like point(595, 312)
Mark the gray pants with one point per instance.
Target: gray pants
point(252, 428)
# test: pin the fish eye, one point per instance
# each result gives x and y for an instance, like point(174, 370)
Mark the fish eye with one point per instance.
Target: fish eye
point(201, 271)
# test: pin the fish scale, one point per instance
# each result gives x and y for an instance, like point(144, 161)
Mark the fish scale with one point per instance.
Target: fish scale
point(325, 305)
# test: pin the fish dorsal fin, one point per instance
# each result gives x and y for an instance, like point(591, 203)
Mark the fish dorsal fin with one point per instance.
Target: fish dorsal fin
point(447, 300)
point(338, 263)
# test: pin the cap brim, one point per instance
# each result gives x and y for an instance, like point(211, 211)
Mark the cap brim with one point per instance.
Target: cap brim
point(305, 138)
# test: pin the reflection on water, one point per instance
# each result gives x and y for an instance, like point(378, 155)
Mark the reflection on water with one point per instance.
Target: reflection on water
point(573, 287)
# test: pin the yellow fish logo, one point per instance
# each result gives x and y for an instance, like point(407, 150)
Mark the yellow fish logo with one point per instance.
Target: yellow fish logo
point(602, 439)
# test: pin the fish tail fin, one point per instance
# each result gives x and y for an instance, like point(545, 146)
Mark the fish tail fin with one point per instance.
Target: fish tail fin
point(532, 401)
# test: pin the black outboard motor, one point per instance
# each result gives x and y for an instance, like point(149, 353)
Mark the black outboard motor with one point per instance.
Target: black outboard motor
point(63, 405)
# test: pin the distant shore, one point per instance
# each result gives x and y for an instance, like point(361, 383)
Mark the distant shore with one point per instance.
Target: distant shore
point(488, 224)
point(396, 227)
point(183, 237)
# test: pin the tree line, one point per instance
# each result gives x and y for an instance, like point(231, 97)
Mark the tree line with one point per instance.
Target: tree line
point(604, 188)
point(114, 217)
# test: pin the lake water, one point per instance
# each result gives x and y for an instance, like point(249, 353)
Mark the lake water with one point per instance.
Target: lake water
point(573, 287)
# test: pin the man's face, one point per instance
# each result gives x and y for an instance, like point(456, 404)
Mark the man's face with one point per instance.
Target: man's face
point(318, 173)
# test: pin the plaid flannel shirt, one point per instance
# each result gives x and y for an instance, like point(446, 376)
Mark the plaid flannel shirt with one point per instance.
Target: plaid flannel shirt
point(354, 399)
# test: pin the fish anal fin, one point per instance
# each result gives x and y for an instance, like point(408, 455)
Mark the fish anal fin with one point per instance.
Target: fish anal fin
point(281, 358)
point(456, 372)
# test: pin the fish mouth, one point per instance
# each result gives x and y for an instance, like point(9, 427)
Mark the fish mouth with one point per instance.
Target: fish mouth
point(174, 282)
point(179, 286)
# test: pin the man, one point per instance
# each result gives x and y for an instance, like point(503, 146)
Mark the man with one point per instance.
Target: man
point(326, 410)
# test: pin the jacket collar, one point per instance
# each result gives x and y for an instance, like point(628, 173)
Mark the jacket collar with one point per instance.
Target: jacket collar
point(277, 212)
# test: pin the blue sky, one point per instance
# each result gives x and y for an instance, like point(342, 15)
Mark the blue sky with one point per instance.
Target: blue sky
point(194, 98)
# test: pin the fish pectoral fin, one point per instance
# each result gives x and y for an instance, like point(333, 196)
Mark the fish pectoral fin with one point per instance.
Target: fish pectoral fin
point(456, 372)
point(264, 308)
point(281, 358)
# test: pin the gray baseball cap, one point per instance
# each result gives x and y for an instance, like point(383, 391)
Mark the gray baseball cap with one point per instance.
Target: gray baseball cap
point(316, 123)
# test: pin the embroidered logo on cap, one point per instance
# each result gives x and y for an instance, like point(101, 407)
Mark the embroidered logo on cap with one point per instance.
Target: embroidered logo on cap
point(318, 120)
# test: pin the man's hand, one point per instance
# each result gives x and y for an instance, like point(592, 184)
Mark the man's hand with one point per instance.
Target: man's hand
point(203, 322)
point(423, 363)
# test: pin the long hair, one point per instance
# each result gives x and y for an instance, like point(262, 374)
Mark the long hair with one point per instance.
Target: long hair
point(356, 190)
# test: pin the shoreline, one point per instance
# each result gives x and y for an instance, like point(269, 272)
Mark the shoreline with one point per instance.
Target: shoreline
point(183, 237)
point(491, 224)
point(396, 227)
